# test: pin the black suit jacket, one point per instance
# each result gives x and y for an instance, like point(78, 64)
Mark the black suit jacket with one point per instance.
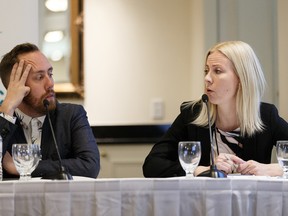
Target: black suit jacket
point(76, 142)
point(162, 161)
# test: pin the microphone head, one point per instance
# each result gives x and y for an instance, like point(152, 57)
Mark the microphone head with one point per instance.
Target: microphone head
point(46, 103)
point(205, 98)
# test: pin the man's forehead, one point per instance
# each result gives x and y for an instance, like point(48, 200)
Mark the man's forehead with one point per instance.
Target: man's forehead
point(36, 59)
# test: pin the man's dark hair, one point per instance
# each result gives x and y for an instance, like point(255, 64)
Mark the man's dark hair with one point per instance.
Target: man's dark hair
point(11, 58)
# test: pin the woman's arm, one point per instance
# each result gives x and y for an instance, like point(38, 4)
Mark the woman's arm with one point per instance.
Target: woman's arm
point(254, 168)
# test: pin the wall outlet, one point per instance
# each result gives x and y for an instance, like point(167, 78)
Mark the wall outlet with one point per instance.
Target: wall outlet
point(157, 108)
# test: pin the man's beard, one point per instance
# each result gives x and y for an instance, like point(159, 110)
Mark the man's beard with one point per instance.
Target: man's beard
point(37, 104)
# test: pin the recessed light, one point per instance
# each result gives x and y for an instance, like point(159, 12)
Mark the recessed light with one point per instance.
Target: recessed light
point(56, 5)
point(54, 36)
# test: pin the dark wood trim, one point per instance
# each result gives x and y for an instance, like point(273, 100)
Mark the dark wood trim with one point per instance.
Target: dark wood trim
point(75, 88)
point(129, 134)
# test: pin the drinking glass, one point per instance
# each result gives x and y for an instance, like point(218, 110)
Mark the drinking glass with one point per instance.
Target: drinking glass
point(189, 153)
point(282, 156)
point(26, 157)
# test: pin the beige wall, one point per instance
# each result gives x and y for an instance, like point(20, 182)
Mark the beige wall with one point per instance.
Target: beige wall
point(18, 24)
point(136, 52)
point(283, 57)
point(139, 51)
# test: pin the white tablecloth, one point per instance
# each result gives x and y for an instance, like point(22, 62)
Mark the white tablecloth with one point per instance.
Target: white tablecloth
point(164, 197)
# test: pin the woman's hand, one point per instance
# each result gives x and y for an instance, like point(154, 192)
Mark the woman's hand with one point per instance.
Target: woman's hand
point(228, 163)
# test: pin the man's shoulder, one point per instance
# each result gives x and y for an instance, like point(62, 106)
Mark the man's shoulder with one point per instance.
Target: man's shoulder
point(68, 108)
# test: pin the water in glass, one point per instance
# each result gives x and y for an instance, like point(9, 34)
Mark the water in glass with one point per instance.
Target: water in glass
point(25, 157)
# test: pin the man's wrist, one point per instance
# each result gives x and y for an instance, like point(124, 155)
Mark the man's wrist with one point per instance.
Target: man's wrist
point(11, 119)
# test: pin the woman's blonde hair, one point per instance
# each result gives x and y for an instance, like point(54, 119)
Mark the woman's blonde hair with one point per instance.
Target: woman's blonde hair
point(250, 90)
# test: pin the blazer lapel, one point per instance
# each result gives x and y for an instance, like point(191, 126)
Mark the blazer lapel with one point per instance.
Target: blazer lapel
point(203, 135)
point(249, 148)
point(47, 142)
point(19, 137)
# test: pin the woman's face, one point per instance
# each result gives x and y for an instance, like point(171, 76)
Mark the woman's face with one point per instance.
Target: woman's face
point(221, 82)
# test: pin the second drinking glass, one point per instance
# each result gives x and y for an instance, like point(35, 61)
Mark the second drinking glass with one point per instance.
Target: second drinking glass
point(189, 153)
point(282, 156)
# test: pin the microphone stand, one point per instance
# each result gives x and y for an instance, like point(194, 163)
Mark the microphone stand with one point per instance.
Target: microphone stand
point(62, 174)
point(213, 171)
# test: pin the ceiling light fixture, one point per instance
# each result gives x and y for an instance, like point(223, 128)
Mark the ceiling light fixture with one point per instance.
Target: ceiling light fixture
point(56, 5)
point(54, 36)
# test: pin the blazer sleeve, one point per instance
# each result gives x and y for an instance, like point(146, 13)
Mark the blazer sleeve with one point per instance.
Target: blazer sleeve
point(280, 126)
point(162, 161)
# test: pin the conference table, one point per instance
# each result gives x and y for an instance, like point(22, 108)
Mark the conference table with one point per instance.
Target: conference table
point(234, 195)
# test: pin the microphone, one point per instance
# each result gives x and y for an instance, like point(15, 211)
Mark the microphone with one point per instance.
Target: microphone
point(213, 171)
point(62, 174)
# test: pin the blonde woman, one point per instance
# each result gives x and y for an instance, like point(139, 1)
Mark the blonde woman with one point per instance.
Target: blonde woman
point(244, 129)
